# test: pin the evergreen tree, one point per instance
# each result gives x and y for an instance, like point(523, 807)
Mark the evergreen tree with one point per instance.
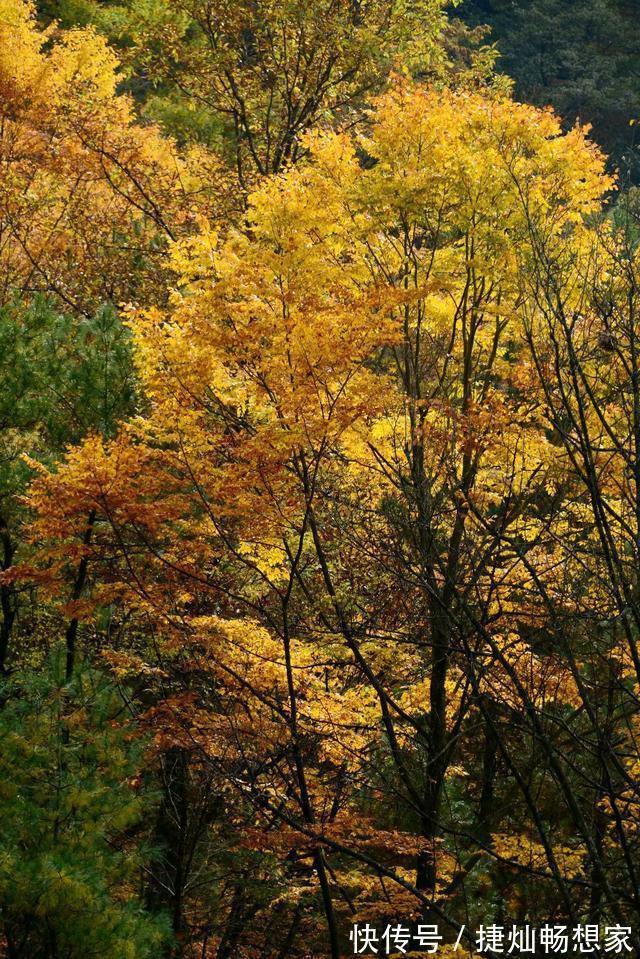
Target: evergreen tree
point(579, 56)
point(62, 378)
point(69, 871)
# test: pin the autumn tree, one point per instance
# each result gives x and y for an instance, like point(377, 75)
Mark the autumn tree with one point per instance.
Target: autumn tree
point(251, 79)
point(88, 204)
point(337, 511)
point(89, 199)
point(363, 557)
point(581, 332)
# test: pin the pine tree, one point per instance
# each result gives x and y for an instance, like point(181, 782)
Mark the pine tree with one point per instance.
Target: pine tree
point(69, 866)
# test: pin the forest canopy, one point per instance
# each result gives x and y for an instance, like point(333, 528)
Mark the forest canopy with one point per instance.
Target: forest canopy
point(319, 479)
